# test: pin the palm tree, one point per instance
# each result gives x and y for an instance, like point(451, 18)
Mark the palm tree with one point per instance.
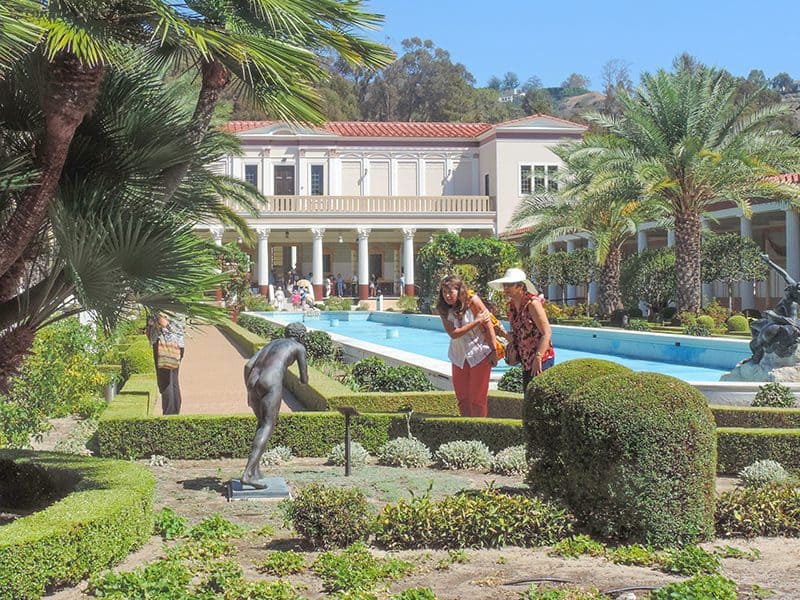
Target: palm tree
point(608, 212)
point(112, 241)
point(270, 47)
point(684, 142)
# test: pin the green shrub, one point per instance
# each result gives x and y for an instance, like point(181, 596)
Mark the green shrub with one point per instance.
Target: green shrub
point(330, 517)
point(415, 594)
point(170, 525)
point(706, 321)
point(279, 455)
point(407, 304)
point(485, 519)
point(166, 578)
point(640, 461)
point(762, 472)
point(356, 569)
point(495, 433)
point(738, 323)
point(697, 330)
point(738, 447)
point(138, 357)
point(358, 455)
point(260, 327)
point(257, 303)
point(105, 516)
point(282, 562)
point(404, 452)
point(699, 587)
point(215, 527)
point(368, 372)
point(461, 454)
point(577, 545)
point(544, 402)
point(638, 325)
point(690, 560)
point(511, 461)
point(373, 375)
point(774, 395)
point(511, 381)
point(337, 303)
point(766, 510)
point(319, 345)
point(758, 417)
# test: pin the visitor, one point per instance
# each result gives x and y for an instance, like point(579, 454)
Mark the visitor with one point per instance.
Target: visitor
point(280, 299)
point(167, 339)
point(530, 336)
point(339, 285)
point(402, 284)
point(329, 286)
point(472, 345)
point(354, 283)
point(295, 298)
point(373, 285)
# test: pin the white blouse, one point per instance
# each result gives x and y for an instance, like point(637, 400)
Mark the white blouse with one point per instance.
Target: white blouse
point(471, 347)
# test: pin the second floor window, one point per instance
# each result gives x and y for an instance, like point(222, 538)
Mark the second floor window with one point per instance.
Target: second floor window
point(317, 183)
point(537, 179)
point(251, 174)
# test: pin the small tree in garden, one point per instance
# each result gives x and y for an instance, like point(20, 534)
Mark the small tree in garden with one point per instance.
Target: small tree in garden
point(236, 264)
point(559, 266)
point(581, 266)
point(731, 258)
point(649, 276)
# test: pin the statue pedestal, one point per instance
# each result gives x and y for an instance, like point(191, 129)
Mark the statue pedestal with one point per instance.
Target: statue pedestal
point(275, 488)
point(772, 367)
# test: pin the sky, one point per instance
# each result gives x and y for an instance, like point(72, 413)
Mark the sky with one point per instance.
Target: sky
point(553, 39)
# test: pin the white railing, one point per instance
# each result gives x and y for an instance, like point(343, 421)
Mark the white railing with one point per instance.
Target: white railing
point(376, 204)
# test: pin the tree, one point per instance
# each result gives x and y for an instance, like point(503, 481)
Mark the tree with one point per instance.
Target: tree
point(616, 76)
point(268, 47)
point(683, 142)
point(575, 85)
point(484, 106)
point(783, 83)
point(510, 81)
point(494, 83)
point(649, 276)
point(421, 85)
point(537, 100)
point(731, 258)
point(531, 83)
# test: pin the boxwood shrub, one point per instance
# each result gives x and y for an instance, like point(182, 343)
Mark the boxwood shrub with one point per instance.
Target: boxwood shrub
point(755, 417)
point(639, 462)
point(105, 515)
point(738, 447)
point(544, 402)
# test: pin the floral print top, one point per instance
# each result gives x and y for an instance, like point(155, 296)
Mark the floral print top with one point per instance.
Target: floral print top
point(526, 334)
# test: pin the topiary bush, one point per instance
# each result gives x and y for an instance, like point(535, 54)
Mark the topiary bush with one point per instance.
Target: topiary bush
point(511, 461)
point(697, 330)
point(404, 452)
point(486, 519)
point(373, 375)
point(459, 454)
point(638, 325)
point(541, 416)
point(330, 517)
point(511, 381)
point(319, 345)
point(337, 303)
point(738, 323)
point(368, 372)
point(639, 465)
point(775, 395)
point(260, 327)
point(358, 455)
point(763, 472)
point(706, 321)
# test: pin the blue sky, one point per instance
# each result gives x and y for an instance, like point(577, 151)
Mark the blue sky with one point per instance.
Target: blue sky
point(553, 39)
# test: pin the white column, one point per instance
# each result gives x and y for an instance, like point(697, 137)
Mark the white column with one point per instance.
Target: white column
point(670, 238)
point(363, 262)
point(263, 260)
point(408, 259)
point(793, 243)
point(592, 292)
point(641, 246)
point(293, 254)
point(571, 289)
point(552, 289)
point(746, 291)
point(317, 234)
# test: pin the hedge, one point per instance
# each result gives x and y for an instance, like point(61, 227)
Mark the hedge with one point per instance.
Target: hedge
point(107, 514)
point(753, 417)
point(137, 398)
point(246, 341)
point(738, 447)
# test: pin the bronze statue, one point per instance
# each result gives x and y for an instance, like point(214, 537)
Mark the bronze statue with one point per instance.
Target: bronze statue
point(779, 330)
point(263, 376)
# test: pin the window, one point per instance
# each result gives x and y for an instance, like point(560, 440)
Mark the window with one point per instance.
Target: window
point(317, 180)
point(376, 265)
point(327, 264)
point(537, 179)
point(251, 174)
point(284, 180)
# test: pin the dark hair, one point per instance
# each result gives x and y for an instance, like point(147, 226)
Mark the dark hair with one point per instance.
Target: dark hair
point(461, 305)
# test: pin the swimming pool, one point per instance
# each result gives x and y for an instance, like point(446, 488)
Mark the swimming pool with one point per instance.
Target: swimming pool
point(694, 360)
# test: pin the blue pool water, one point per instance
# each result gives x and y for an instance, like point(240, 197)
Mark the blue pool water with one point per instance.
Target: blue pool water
point(434, 344)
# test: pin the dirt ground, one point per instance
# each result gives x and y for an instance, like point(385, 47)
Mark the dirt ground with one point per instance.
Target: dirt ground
point(196, 489)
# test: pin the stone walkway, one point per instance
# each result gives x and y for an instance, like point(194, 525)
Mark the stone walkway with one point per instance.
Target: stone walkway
point(212, 376)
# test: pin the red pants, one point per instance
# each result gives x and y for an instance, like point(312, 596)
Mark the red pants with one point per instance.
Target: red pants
point(471, 385)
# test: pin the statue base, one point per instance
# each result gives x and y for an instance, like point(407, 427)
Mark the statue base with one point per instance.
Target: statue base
point(275, 488)
point(772, 367)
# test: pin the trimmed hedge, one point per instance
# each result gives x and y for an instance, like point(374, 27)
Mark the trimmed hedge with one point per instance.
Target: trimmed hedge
point(755, 417)
point(639, 452)
point(136, 399)
point(497, 434)
point(542, 413)
point(246, 341)
point(106, 516)
point(739, 447)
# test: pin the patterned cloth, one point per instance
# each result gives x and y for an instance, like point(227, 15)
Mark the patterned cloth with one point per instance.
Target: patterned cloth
point(471, 347)
point(526, 334)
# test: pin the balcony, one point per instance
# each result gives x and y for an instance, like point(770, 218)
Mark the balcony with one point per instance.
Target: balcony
point(377, 205)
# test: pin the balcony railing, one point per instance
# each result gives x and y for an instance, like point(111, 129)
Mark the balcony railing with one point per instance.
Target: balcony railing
point(378, 204)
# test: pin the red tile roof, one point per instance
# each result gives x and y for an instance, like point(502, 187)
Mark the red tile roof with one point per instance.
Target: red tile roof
point(373, 129)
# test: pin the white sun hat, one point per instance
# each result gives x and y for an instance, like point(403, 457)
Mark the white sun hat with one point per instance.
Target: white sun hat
point(513, 275)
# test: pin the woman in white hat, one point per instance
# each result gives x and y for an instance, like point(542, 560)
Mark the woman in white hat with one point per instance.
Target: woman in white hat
point(472, 345)
point(530, 330)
